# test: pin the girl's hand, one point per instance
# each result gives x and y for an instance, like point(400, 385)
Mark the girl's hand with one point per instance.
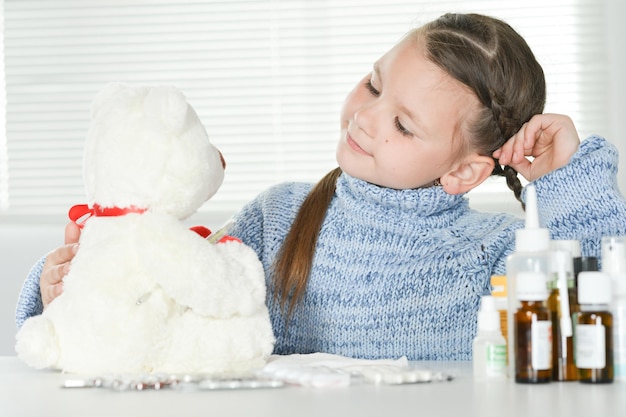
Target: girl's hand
point(57, 265)
point(550, 139)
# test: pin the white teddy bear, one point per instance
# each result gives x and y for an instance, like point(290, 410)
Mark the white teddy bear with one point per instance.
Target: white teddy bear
point(145, 293)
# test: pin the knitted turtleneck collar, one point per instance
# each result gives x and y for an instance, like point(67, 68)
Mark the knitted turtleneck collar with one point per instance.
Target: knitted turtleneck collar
point(368, 199)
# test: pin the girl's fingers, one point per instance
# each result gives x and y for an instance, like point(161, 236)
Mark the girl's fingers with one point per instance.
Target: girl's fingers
point(72, 233)
point(55, 268)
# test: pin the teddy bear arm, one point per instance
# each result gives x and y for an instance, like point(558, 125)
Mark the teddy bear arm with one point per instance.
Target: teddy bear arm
point(214, 280)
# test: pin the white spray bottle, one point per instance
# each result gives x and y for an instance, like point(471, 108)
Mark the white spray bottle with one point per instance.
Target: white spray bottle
point(489, 346)
point(532, 254)
point(614, 264)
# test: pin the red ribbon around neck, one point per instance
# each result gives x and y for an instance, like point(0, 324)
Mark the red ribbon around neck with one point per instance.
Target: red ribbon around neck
point(80, 213)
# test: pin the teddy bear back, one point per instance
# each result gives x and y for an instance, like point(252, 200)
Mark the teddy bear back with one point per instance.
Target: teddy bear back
point(147, 148)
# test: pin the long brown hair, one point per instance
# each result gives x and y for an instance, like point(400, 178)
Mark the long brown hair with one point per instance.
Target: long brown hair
point(486, 55)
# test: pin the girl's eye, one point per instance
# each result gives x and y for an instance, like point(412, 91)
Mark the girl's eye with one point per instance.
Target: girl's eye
point(371, 89)
point(401, 128)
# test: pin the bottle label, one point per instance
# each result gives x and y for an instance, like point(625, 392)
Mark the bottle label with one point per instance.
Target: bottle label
point(590, 346)
point(496, 360)
point(541, 344)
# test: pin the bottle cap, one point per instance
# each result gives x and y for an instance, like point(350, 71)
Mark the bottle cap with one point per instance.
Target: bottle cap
point(619, 285)
point(531, 286)
point(614, 254)
point(532, 238)
point(594, 287)
point(488, 316)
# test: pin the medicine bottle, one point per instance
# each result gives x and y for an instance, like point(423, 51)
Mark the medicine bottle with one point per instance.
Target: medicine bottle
point(562, 303)
point(533, 330)
point(594, 328)
point(489, 346)
point(614, 264)
point(531, 255)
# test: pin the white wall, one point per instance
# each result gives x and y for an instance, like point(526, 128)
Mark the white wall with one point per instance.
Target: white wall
point(616, 33)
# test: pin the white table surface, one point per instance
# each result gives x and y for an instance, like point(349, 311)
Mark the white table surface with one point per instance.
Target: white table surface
point(28, 392)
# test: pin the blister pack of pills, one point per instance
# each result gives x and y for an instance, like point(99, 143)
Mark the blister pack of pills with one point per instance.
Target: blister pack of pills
point(173, 382)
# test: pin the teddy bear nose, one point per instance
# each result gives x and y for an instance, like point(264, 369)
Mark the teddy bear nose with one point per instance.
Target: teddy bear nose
point(222, 159)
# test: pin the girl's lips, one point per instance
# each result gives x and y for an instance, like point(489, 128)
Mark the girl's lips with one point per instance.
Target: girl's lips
point(355, 146)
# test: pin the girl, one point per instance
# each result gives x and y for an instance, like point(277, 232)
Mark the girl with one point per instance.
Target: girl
point(383, 257)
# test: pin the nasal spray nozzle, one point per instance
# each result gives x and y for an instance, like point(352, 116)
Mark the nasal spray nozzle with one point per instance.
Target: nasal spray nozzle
point(532, 237)
point(488, 316)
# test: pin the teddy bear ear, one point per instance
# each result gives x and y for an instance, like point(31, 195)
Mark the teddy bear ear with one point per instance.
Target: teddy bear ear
point(168, 106)
point(105, 95)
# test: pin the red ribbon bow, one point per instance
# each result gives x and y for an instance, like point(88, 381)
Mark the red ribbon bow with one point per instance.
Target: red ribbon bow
point(80, 213)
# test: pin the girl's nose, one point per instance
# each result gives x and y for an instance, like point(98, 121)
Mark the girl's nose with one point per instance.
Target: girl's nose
point(365, 119)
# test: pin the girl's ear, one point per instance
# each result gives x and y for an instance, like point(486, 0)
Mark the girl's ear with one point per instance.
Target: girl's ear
point(467, 175)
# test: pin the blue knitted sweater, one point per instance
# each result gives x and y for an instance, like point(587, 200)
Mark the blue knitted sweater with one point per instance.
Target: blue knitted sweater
point(401, 272)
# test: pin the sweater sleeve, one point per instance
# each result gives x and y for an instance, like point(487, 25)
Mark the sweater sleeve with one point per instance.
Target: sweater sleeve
point(29, 301)
point(582, 200)
point(264, 222)
point(248, 225)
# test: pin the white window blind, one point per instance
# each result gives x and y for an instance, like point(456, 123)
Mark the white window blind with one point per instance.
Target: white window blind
point(267, 77)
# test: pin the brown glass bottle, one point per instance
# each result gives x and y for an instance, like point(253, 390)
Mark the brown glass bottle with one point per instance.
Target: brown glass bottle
point(533, 330)
point(601, 320)
point(594, 329)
